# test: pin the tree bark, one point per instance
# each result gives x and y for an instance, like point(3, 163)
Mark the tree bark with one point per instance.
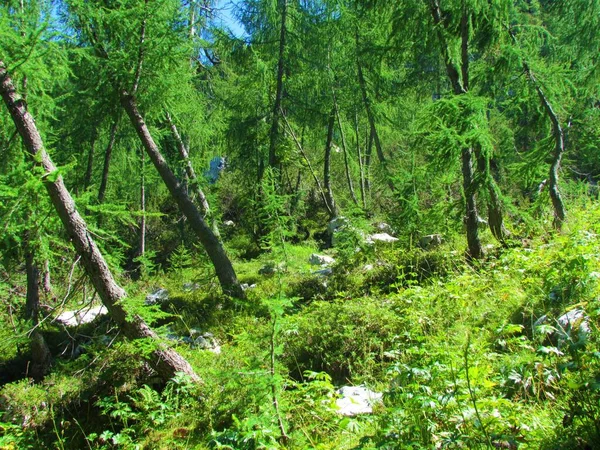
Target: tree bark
point(274, 134)
point(212, 245)
point(165, 361)
point(494, 205)
point(331, 206)
point(41, 358)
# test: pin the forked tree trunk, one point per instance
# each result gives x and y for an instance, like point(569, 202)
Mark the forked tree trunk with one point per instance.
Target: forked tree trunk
point(210, 242)
point(166, 361)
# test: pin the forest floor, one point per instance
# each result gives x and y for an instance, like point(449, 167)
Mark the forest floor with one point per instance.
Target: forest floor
point(502, 353)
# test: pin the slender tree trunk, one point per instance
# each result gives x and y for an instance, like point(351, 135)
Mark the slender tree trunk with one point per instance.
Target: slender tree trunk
point(107, 157)
point(90, 163)
point(210, 242)
point(560, 212)
point(46, 281)
point(166, 361)
point(368, 163)
point(345, 149)
point(333, 212)
point(274, 134)
point(143, 203)
point(460, 87)
point(193, 179)
point(361, 170)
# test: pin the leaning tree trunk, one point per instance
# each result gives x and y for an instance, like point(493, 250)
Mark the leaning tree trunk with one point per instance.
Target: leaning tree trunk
point(165, 360)
point(210, 242)
point(560, 213)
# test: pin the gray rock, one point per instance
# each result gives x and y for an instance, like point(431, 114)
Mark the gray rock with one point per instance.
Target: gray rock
point(320, 260)
point(81, 316)
point(356, 400)
point(382, 237)
point(430, 241)
point(383, 227)
point(246, 286)
point(157, 297)
point(207, 341)
point(367, 267)
point(337, 223)
point(323, 272)
point(229, 224)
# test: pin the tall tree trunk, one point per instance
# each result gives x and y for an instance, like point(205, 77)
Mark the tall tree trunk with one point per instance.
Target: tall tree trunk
point(332, 207)
point(90, 163)
point(166, 361)
point(193, 179)
point(361, 169)
point(142, 203)
point(345, 150)
point(460, 87)
point(368, 155)
point(274, 134)
point(212, 245)
point(107, 157)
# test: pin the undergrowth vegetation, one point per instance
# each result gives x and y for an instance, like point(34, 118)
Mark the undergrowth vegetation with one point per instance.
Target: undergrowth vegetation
point(499, 353)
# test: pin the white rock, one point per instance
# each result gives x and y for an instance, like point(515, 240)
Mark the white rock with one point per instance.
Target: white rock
point(382, 237)
point(431, 240)
point(245, 286)
point(368, 267)
point(229, 223)
point(320, 260)
point(158, 296)
point(356, 400)
point(81, 316)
